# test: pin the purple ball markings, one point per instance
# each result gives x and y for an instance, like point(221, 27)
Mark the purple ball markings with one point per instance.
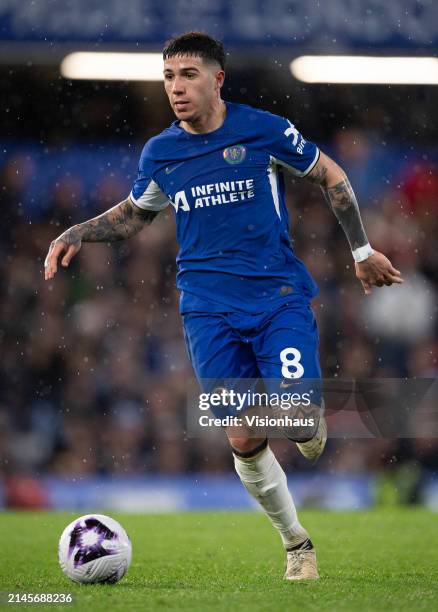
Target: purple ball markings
point(86, 552)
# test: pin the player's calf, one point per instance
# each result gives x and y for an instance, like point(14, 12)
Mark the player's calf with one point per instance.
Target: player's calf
point(265, 480)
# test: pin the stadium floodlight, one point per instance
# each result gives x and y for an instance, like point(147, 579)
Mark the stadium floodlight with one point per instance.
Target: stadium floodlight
point(365, 69)
point(113, 66)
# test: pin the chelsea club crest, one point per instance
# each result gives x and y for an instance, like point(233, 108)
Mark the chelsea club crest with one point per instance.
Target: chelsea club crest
point(235, 155)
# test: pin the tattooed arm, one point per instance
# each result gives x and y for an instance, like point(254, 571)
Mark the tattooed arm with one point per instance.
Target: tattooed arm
point(120, 222)
point(372, 267)
point(341, 199)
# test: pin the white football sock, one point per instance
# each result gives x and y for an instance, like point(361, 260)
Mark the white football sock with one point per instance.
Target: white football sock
point(264, 479)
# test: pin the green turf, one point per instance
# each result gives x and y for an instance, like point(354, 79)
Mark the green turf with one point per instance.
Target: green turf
point(376, 560)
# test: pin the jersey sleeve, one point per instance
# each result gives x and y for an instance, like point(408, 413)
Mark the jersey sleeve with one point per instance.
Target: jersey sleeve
point(146, 194)
point(288, 147)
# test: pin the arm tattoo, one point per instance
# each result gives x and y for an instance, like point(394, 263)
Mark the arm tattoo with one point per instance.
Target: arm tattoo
point(118, 223)
point(318, 176)
point(343, 202)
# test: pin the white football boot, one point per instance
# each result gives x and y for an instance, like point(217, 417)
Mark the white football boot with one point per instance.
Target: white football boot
point(301, 563)
point(312, 449)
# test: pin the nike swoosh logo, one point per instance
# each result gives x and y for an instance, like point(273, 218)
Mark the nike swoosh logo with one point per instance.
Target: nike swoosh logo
point(170, 169)
point(283, 385)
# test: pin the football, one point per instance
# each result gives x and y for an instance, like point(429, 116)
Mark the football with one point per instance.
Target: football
point(94, 548)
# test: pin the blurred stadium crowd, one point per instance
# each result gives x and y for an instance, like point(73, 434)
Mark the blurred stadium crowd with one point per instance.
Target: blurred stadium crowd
point(94, 370)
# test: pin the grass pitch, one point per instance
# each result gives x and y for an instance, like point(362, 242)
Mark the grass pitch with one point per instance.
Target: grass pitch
point(375, 560)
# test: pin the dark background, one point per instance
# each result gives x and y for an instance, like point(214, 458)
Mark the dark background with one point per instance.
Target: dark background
point(94, 372)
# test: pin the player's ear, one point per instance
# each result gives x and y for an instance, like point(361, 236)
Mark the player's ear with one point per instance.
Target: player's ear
point(220, 78)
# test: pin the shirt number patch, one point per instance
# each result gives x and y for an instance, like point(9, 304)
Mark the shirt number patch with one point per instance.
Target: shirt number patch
point(291, 358)
point(292, 131)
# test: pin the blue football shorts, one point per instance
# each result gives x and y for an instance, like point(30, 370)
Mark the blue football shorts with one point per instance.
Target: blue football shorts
point(237, 350)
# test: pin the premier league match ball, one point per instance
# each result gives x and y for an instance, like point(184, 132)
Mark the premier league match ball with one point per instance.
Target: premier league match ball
point(94, 548)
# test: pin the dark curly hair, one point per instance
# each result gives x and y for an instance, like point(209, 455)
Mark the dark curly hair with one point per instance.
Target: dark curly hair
point(197, 44)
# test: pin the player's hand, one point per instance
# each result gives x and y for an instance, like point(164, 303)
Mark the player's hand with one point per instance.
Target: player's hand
point(68, 243)
point(377, 270)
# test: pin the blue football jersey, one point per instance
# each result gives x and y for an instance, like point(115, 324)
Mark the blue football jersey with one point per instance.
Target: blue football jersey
point(227, 190)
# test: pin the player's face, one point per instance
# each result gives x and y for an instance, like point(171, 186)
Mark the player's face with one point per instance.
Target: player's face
point(193, 87)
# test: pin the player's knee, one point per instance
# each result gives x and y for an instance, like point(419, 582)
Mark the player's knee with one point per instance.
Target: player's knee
point(245, 445)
